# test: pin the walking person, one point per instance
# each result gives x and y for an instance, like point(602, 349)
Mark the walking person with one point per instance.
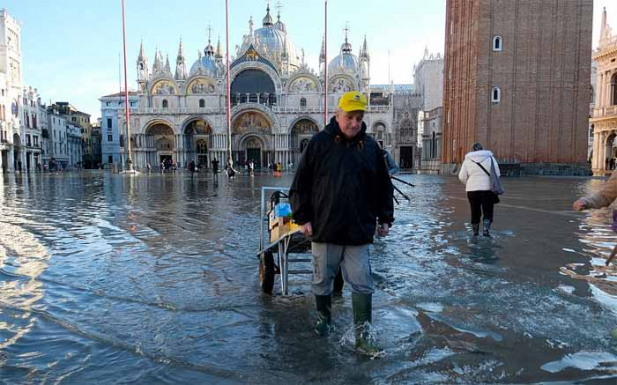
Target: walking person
point(251, 166)
point(340, 191)
point(192, 168)
point(215, 168)
point(475, 174)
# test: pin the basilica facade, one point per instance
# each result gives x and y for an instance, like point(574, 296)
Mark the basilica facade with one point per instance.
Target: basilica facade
point(277, 101)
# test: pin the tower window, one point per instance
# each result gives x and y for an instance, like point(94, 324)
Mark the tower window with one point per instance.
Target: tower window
point(165, 103)
point(496, 95)
point(497, 43)
point(303, 102)
point(202, 103)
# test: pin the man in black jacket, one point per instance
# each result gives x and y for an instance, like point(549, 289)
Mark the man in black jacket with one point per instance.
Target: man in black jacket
point(340, 191)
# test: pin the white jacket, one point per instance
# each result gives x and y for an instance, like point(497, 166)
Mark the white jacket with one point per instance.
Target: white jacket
point(474, 178)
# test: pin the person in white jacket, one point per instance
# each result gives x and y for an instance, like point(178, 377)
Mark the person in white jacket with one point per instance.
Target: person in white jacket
point(475, 174)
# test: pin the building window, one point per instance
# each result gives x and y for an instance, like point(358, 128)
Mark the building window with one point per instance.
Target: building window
point(496, 95)
point(202, 103)
point(497, 43)
point(109, 123)
point(165, 103)
point(303, 102)
point(108, 104)
point(110, 138)
point(614, 89)
point(110, 159)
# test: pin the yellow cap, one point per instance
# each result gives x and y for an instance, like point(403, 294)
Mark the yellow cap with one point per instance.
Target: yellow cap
point(352, 101)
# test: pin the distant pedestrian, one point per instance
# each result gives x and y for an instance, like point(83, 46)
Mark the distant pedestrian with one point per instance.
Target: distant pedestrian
point(251, 166)
point(148, 168)
point(191, 168)
point(215, 167)
point(475, 174)
point(162, 166)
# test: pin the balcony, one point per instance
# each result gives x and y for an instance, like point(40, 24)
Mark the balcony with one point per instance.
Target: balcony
point(606, 112)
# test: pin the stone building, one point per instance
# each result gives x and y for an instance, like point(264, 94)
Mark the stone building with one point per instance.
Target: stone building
point(516, 79)
point(277, 100)
point(604, 120)
point(428, 82)
point(12, 152)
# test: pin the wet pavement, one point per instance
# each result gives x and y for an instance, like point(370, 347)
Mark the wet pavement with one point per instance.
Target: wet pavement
point(152, 279)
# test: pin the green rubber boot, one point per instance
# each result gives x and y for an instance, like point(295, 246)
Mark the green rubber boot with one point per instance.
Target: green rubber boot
point(324, 314)
point(362, 318)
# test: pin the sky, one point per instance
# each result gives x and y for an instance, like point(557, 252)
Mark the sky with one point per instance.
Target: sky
point(72, 52)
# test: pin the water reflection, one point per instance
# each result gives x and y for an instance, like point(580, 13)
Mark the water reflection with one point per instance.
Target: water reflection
point(153, 279)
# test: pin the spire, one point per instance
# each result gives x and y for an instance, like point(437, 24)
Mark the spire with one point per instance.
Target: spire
point(346, 47)
point(219, 51)
point(209, 51)
point(157, 62)
point(279, 24)
point(180, 64)
point(604, 31)
point(267, 21)
point(364, 50)
point(180, 51)
point(167, 66)
point(251, 26)
point(142, 52)
point(322, 53)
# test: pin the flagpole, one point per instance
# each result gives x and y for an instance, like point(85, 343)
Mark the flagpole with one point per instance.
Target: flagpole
point(325, 117)
point(126, 96)
point(228, 103)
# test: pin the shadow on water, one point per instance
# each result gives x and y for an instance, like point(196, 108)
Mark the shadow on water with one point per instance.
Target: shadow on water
point(153, 279)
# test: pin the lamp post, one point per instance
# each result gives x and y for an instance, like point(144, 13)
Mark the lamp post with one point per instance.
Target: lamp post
point(126, 97)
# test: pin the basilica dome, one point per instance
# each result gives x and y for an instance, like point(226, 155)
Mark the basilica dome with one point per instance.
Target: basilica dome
point(206, 65)
point(272, 40)
point(345, 61)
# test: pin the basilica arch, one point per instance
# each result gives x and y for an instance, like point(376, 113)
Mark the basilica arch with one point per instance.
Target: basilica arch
point(301, 132)
point(160, 143)
point(303, 82)
point(252, 133)
point(197, 137)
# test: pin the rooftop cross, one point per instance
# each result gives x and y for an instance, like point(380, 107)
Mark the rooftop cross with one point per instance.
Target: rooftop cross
point(346, 30)
point(209, 29)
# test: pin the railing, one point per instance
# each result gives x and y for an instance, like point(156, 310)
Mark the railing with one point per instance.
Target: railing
point(606, 111)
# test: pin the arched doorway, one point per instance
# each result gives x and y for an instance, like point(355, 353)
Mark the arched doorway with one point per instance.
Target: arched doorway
point(197, 140)
point(301, 133)
point(160, 136)
point(254, 151)
point(247, 126)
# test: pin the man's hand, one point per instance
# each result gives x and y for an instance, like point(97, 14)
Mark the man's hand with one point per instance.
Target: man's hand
point(307, 229)
point(384, 229)
point(580, 205)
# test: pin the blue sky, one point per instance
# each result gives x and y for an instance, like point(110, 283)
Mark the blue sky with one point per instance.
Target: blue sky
point(70, 52)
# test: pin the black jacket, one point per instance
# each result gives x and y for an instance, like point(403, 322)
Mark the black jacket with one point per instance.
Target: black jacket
point(342, 187)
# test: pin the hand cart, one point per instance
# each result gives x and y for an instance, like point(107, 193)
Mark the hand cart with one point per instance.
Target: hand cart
point(279, 237)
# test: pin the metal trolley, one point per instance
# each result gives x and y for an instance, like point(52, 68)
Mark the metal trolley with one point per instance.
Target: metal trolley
point(278, 248)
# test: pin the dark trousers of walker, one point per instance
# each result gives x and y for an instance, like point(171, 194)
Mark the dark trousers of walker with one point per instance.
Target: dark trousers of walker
point(481, 202)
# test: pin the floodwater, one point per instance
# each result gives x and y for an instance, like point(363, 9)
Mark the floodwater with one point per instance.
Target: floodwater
point(152, 279)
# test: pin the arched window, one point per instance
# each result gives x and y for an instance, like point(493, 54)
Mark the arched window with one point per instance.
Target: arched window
point(614, 89)
point(202, 103)
point(497, 43)
point(303, 102)
point(496, 95)
point(165, 103)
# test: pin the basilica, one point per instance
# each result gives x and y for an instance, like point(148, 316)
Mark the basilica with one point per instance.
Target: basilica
point(277, 101)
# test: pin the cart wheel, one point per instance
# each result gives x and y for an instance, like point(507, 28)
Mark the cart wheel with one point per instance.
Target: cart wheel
point(338, 283)
point(266, 272)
